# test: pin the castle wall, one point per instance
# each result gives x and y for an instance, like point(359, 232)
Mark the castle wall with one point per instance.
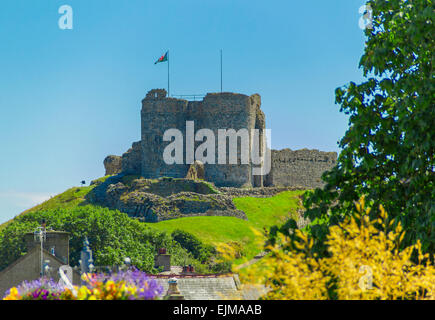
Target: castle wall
point(113, 164)
point(159, 115)
point(132, 160)
point(227, 111)
point(300, 168)
point(216, 111)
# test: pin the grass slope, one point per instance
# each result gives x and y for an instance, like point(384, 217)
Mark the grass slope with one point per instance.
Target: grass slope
point(262, 213)
point(69, 199)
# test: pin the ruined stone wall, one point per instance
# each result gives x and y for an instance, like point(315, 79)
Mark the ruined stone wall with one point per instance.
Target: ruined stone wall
point(216, 111)
point(113, 165)
point(159, 115)
point(132, 159)
point(300, 168)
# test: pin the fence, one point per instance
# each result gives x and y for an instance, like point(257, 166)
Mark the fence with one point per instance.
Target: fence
point(191, 97)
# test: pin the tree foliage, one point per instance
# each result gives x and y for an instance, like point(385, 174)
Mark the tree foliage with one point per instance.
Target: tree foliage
point(112, 236)
point(388, 150)
point(364, 262)
point(193, 245)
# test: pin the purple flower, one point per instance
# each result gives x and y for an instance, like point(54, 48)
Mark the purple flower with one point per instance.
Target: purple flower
point(42, 288)
point(147, 288)
point(47, 289)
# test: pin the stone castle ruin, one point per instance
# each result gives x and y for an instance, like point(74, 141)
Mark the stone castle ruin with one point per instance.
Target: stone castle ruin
point(300, 168)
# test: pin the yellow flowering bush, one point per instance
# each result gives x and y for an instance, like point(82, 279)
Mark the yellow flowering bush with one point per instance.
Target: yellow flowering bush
point(364, 263)
point(102, 291)
point(13, 294)
point(125, 285)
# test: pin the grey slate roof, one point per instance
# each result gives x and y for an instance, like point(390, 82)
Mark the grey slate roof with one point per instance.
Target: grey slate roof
point(204, 287)
point(211, 287)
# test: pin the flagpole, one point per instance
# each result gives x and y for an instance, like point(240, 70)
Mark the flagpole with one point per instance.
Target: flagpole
point(221, 70)
point(168, 75)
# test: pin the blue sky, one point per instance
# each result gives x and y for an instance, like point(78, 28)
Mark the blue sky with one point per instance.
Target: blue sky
point(68, 98)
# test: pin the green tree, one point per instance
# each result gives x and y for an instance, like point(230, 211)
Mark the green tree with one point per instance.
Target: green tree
point(112, 236)
point(193, 245)
point(388, 150)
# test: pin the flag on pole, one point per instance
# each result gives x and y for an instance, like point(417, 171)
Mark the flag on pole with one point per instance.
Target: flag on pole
point(162, 58)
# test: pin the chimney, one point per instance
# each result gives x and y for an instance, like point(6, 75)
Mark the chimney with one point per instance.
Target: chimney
point(173, 292)
point(56, 243)
point(188, 269)
point(163, 259)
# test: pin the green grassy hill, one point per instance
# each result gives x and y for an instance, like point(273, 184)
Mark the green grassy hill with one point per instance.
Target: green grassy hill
point(262, 213)
point(71, 198)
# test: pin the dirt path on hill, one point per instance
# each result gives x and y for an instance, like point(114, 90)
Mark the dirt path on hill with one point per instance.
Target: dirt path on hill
point(253, 260)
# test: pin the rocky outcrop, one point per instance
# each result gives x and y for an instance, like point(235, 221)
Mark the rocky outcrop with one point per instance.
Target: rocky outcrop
point(113, 164)
point(163, 199)
point(264, 192)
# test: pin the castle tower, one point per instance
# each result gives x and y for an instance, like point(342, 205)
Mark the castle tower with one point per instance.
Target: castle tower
point(216, 111)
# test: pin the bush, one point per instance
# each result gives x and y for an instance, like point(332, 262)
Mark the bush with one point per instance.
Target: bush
point(387, 153)
point(125, 285)
point(41, 289)
point(192, 244)
point(364, 262)
point(112, 236)
point(222, 267)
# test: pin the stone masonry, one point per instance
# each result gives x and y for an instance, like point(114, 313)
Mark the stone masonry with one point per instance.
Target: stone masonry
point(113, 165)
point(300, 168)
point(216, 111)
